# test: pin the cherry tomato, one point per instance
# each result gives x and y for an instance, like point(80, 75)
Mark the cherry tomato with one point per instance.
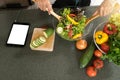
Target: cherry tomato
point(91, 71)
point(81, 44)
point(72, 15)
point(105, 47)
point(70, 33)
point(98, 63)
point(98, 53)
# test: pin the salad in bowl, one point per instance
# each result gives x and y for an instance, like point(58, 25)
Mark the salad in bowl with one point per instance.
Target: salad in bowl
point(107, 38)
point(72, 25)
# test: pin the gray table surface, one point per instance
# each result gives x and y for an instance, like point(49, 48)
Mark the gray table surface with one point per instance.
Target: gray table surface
point(21, 63)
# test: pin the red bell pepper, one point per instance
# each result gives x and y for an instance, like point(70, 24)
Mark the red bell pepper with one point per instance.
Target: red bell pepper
point(110, 28)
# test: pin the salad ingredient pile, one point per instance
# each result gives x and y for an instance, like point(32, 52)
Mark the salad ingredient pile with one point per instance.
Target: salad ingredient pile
point(72, 25)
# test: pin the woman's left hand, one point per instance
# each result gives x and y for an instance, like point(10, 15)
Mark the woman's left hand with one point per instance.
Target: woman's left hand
point(105, 8)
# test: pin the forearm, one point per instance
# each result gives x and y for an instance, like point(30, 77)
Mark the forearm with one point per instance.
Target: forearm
point(51, 1)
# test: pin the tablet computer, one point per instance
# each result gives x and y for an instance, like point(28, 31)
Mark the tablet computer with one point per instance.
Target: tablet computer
point(18, 34)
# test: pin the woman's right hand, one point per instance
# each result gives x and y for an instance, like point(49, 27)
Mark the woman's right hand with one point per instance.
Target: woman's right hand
point(44, 5)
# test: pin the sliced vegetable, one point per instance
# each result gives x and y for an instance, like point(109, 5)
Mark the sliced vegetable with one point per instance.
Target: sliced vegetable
point(101, 37)
point(72, 15)
point(42, 39)
point(86, 57)
point(77, 36)
point(70, 33)
point(59, 30)
point(72, 20)
point(33, 44)
point(38, 42)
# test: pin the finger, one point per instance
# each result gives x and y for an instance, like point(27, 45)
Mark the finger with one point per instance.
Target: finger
point(106, 12)
point(45, 6)
point(101, 11)
point(95, 13)
point(49, 8)
point(40, 5)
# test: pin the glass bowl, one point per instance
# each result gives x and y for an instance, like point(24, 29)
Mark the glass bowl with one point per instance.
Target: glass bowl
point(67, 31)
point(111, 47)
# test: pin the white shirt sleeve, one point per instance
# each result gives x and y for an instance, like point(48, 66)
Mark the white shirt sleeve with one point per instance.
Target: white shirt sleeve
point(118, 1)
point(96, 2)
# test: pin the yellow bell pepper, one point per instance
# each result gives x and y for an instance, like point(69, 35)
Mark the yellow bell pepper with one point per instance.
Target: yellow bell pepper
point(101, 37)
point(72, 20)
point(76, 36)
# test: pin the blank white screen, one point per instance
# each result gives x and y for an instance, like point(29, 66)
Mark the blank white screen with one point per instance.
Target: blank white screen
point(18, 34)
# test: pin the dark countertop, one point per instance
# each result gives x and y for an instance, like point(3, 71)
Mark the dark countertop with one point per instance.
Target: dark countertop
point(21, 63)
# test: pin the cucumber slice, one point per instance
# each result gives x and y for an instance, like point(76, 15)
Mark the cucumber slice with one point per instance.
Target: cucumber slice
point(48, 32)
point(38, 42)
point(33, 45)
point(42, 39)
point(59, 30)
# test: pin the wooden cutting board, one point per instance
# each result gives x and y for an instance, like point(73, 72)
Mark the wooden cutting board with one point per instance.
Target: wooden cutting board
point(48, 45)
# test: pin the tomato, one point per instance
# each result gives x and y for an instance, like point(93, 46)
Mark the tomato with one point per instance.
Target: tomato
point(98, 53)
point(98, 63)
point(105, 47)
point(81, 44)
point(70, 33)
point(72, 15)
point(91, 71)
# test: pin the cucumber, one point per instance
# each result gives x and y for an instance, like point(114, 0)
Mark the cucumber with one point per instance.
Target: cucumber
point(87, 56)
point(38, 42)
point(59, 30)
point(48, 32)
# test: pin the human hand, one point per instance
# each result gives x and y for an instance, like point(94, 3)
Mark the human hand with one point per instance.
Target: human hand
point(105, 8)
point(44, 5)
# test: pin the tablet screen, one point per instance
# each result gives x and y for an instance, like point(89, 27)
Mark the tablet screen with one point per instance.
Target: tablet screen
point(18, 34)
